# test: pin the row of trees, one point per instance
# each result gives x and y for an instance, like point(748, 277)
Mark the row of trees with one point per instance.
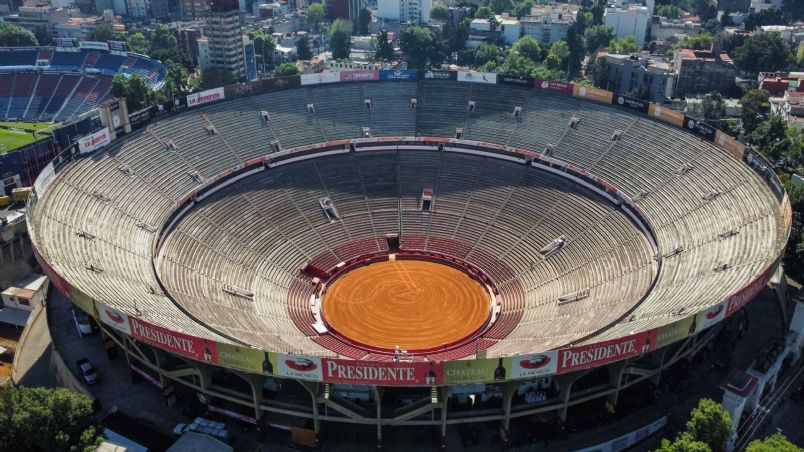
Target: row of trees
point(14, 36)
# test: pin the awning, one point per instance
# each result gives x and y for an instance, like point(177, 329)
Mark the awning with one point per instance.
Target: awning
point(14, 316)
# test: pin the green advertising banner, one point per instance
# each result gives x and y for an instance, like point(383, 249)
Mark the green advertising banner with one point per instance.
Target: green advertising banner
point(477, 370)
point(83, 301)
point(675, 332)
point(245, 358)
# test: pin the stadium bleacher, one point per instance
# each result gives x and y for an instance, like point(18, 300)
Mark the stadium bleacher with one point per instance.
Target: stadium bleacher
point(493, 213)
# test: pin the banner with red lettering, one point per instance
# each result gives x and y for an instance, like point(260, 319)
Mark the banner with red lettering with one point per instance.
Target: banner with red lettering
point(94, 141)
point(362, 75)
point(210, 95)
point(533, 366)
point(554, 86)
point(296, 366)
point(180, 343)
point(747, 293)
point(382, 373)
point(57, 281)
point(594, 355)
point(710, 316)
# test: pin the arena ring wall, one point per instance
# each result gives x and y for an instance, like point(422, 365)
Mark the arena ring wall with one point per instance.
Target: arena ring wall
point(671, 226)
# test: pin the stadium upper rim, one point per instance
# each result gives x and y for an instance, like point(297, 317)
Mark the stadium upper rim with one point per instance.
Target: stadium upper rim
point(718, 227)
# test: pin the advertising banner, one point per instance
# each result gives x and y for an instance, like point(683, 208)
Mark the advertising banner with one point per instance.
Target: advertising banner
point(322, 77)
point(516, 80)
point(295, 366)
point(84, 302)
point(94, 141)
point(45, 176)
point(180, 343)
point(359, 76)
point(700, 128)
point(592, 93)
point(477, 77)
point(400, 74)
point(238, 90)
point(204, 97)
point(536, 365)
point(276, 84)
point(631, 102)
point(93, 45)
point(114, 318)
point(244, 358)
point(141, 117)
point(710, 316)
point(554, 86)
point(742, 297)
point(381, 373)
point(676, 331)
point(593, 355)
point(65, 42)
point(477, 370)
point(667, 115)
point(117, 45)
point(439, 75)
point(731, 145)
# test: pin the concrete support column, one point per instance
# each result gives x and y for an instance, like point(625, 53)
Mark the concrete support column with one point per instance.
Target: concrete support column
point(255, 382)
point(508, 391)
point(313, 389)
point(378, 401)
point(616, 371)
point(446, 391)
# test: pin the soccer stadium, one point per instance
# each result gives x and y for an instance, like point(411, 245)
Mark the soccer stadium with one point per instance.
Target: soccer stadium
point(406, 248)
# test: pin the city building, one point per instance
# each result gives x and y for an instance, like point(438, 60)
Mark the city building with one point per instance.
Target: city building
point(663, 29)
point(411, 11)
point(203, 53)
point(193, 9)
point(628, 73)
point(187, 38)
point(225, 38)
point(31, 17)
point(346, 9)
point(761, 5)
point(549, 23)
point(508, 30)
point(702, 71)
point(78, 27)
point(633, 21)
point(21, 298)
point(138, 9)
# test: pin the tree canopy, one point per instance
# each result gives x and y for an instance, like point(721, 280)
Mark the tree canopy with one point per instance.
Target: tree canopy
point(774, 443)
point(529, 48)
point(303, 48)
point(755, 103)
point(707, 430)
point(698, 41)
point(625, 45)
point(669, 11)
point(440, 12)
point(14, 36)
point(341, 32)
point(383, 48)
point(316, 15)
point(34, 419)
point(286, 70)
point(422, 47)
point(765, 52)
point(138, 92)
point(102, 33)
point(214, 77)
point(598, 37)
point(363, 21)
point(713, 107)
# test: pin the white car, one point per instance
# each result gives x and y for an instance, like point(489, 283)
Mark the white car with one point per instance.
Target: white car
point(82, 323)
point(87, 371)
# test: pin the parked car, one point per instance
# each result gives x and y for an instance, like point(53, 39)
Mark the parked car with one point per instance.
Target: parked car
point(82, 323)
point(87, 371)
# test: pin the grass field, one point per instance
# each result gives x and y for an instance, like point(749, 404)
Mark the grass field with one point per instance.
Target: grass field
point(13, 139)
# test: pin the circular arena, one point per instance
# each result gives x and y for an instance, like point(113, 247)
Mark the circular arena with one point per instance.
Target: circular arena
point(429, 234)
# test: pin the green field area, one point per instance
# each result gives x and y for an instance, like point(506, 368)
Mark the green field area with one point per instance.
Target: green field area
point(13, 139)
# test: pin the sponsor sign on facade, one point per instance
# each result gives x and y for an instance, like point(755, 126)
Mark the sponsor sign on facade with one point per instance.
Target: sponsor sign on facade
point(742, 297)
point(117, 45)
point(244, 358)
point(400, 74)
point(631, 102)
point(477, 370)
point(114, 318)
point(667, 115)
point(536, 365)
point(296, 366)
point(65, 42)
point(516, 80)
point(594, 355)
point(210, 95)
point(93, 45)
point(554, 86)
point(676, 331)
point(592, 93)
point(180, 343)
point(439, 75)
point(381, 373)
point(322, 77)
point(701, 128)
point(359, 76)
point(238, 90)
point(84, 302)
point(710, 316)
point(731, 145)
point(477, 77)
point(276, 84)
point(94, 141)
point(45, 176)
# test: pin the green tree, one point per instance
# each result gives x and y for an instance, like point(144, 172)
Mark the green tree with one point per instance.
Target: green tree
point(214, 77)
point(264, 47)
point(421, 47)
point(793, 9)
point(597, 37)
point(625, 45)
point(516, 64)
point(599, 73)
point(316, 15)
point(713, 107)
point(709, 423)
point(768, 16)
point(303, 48)
point(683, 443)
point(163, 38)
point(286, 70)
point(530, 48)
point(341, 32)
point(14, 36)
point(176, 79)
point(137, 42)
point(754, 104)
point(523, 8)
point(363, 21)
point(771, 138)
point(560, 53)
point(138, 92)
point(486, 53)
point(597, 8)
point(42, 35)
point(383, 48)
point(101, 33)
point(575, 43)
point(440, 12)
point(484, 12)
point(669, 11)
point(500, 6)
point(698, 41)
point(174, 55)
point(765, 52)
point(33, 419)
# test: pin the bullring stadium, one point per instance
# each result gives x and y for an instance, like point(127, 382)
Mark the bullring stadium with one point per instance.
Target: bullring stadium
point(432, 233)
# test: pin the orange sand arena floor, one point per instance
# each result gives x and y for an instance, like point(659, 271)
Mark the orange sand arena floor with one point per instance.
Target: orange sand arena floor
point(415, 304)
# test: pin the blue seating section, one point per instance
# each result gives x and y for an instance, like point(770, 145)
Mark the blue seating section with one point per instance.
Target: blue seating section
point(18, 58)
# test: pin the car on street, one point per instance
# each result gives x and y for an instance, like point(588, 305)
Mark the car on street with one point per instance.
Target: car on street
point(82, 322)
point(87, 371)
